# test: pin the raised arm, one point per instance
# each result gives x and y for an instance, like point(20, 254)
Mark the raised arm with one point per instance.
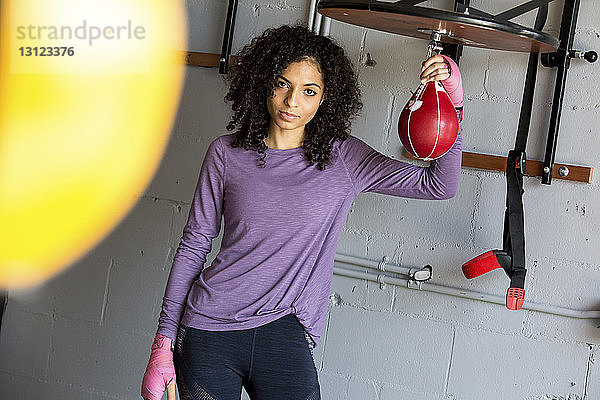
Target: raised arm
point(371, 171)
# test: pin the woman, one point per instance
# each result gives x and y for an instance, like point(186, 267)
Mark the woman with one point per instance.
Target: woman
point(284, 182)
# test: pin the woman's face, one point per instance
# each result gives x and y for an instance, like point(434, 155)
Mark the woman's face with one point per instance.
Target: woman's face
point(298, 91)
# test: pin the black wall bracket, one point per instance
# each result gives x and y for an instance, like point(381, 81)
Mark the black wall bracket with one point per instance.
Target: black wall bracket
point(228, 37)
point(561, 60)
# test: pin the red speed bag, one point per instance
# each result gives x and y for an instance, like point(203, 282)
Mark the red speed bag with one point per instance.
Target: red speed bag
point(428, 124)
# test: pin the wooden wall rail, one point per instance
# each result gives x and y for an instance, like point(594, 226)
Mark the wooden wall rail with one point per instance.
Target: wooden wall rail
point(204, 59)
point(533, 167)
point(470, 160)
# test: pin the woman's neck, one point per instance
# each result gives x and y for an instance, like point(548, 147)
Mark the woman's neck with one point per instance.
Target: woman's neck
point(283, 141)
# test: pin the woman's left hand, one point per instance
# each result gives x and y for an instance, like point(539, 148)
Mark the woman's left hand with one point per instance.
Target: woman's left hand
point(434, 69)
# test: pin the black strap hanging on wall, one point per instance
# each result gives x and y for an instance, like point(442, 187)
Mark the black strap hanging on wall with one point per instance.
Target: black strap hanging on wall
point(512, 257)
point(514, 225)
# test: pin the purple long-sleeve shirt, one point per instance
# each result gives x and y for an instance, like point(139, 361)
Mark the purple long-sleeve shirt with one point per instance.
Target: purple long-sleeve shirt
point(282, 226)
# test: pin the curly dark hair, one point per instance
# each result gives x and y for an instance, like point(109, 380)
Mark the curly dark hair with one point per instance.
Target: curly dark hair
point(254, 77)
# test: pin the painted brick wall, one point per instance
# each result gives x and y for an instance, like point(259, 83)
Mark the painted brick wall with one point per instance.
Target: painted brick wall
point(87, 333)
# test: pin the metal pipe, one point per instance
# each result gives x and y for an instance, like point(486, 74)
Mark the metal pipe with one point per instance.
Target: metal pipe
point(463, 293)
point(327, 27)
point(317, 27)
point(380, 265)
point(311, 14)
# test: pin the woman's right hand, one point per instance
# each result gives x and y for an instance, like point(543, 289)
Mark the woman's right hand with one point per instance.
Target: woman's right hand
point(160, 372)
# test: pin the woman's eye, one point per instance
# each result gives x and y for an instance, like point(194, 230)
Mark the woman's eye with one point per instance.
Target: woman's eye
point(281, 84)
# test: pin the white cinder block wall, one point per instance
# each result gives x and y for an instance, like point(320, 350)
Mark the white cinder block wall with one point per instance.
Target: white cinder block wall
point(87, 333)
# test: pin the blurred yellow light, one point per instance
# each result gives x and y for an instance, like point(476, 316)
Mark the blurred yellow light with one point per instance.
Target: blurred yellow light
point(81, 135)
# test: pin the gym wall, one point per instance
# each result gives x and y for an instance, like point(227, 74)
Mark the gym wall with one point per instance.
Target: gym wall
point(87, 333)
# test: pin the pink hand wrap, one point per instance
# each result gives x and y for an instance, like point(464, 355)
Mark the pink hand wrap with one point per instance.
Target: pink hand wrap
point(453, 84)
point(160, 370)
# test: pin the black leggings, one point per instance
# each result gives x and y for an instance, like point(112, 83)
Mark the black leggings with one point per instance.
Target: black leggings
point(272, 362)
